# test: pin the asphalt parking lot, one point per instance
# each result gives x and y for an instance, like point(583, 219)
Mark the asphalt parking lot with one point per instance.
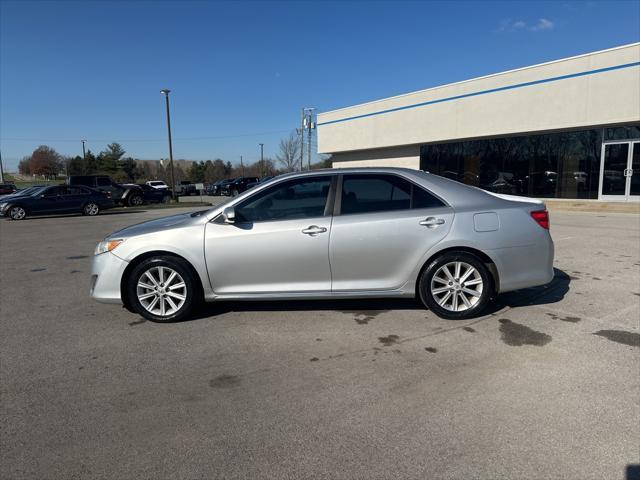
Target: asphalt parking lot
point(546, 386)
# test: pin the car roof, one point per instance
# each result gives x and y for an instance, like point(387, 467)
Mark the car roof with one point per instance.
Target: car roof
point(452, 192)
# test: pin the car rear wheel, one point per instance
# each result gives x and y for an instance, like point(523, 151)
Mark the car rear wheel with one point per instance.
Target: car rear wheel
point(135, 200)
point(91, 209)
point(456, 285)
point(17, 213)
point(162, 289)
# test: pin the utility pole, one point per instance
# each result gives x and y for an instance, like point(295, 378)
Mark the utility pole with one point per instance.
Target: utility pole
point(307, 122)
point(1, 170)
point(261, 159)
point(241, 165)
point(302, 140)
point(173, 179)
point(309, 142)
point(84, 158)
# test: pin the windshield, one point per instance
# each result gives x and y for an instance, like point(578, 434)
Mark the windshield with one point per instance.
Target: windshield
point(36, 191)
point(26, 191)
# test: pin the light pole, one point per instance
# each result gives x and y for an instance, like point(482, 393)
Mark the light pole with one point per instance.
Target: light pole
point(261, 159)
point(84, 152)
point(173, 180)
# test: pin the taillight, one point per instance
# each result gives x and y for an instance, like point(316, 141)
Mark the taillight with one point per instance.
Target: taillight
point(542, 218)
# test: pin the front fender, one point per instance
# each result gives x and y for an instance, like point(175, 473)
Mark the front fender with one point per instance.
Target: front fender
point(186, 243)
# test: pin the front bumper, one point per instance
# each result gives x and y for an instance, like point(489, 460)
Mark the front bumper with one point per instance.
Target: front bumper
point(106, 275)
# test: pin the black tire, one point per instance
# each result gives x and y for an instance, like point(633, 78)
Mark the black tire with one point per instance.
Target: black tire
point(166, 199)
point(481, 301)
point(91, 209)
point(134, 200)
point(192, 289)
point(17, 213)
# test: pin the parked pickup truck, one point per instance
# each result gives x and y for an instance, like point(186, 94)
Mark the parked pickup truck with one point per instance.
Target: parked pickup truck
point(127, 195)
point(186, 188)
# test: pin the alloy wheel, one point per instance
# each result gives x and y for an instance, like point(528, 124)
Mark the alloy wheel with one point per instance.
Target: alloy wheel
point(457, 286)
point(17, 213)
point(161, 291)
point(91, 209)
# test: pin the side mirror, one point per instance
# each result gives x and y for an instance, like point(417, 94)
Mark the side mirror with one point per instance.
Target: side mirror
point(229, 215)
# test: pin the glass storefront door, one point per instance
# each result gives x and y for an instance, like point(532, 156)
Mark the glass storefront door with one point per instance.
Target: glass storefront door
point(620, 171)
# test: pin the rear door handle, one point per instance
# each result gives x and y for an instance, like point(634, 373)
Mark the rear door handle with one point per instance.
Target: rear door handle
point(432, 222)
point(314, 230)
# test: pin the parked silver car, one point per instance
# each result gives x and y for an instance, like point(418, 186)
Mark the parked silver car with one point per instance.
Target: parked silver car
point(347, 233)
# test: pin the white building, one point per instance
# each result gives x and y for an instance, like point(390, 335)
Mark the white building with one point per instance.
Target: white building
point(563, 129)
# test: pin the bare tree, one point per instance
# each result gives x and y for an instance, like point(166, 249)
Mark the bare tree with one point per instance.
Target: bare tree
point(45, 161)
point(289, 152)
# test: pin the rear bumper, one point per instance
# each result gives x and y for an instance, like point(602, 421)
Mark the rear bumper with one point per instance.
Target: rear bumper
point(524, 266)
point(106, 275)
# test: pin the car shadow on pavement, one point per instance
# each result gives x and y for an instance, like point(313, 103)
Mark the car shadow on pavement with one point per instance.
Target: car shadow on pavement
point(362, 306)
point(551, 293)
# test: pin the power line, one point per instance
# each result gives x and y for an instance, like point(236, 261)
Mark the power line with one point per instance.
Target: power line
point(130, 140)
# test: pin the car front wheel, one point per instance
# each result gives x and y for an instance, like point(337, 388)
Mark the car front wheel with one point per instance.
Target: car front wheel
point(162, 289)
point(456, 285)
point(91, 209)
point(17, 213)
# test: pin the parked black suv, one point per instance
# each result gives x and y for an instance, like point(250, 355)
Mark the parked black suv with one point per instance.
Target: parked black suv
point(130, 195)
point(237, 186)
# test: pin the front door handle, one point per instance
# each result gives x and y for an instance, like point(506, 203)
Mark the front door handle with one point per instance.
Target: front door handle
point(314, 230)
point(432, 222)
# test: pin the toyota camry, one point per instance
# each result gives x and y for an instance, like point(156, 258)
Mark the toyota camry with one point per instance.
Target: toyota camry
point(340, 233)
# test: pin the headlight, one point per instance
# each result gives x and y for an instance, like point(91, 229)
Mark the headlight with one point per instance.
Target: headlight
point(107, 245)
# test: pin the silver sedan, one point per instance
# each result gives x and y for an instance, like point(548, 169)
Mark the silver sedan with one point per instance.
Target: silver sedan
point(343, 233)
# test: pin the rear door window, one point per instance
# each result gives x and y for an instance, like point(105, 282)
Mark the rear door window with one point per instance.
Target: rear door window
point(77, 191)
point(368, 193)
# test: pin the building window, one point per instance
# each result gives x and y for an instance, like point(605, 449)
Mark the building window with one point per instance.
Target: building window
point(628, 132)
point(560, 165)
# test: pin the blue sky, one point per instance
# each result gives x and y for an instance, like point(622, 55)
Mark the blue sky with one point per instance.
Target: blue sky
point(241, 71)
